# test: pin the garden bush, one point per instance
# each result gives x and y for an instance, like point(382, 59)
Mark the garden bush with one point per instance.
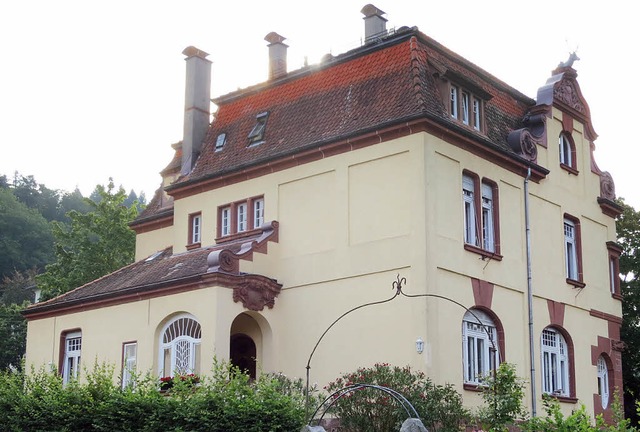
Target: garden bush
point(226, 401)
point(439, 406)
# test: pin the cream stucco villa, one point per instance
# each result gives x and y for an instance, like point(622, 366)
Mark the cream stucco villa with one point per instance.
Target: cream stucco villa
point(312, 193)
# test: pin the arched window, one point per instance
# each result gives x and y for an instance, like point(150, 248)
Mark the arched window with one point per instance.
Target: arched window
point(479, 345)
point(555, 363)
point(603, 381)
point(180, 347)
point(567, 151)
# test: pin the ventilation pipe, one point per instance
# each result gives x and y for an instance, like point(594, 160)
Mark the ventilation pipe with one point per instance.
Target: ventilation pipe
point(277, 55)
point(197, 105)
point(530, 293)
point(375, 25)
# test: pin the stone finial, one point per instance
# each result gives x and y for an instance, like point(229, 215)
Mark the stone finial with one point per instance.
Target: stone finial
point(569, 63)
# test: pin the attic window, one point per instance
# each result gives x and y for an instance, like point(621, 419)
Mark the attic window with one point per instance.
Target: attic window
point(466, 107)
point(256, 136)
point(220, 141)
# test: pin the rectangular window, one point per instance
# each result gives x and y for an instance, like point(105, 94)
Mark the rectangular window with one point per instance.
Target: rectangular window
point(258, 213)
point(195, 222)
point(468, 196)
point(572, 249)
point(476, 114)
point(488, 242)
point(480, 215)
point(614, 268)
point(225, 221)
point(242, 217)
point(72, 354)
point(465, 108)
point(129, 363)
point(256, 136)
point(453, 105)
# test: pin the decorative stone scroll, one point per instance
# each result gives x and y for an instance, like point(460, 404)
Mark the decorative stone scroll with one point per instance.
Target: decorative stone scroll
point(618, 345)
point(524, 143)
point(565, 92)
point(607, 186)
point(255, 294)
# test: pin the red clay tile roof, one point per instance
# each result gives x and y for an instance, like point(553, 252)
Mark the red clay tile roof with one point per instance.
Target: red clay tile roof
point(164, 270)
point(359, 91)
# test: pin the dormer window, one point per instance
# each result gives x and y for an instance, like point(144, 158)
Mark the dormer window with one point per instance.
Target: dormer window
point(220, 141)
point(256, 136)
point(465, 107)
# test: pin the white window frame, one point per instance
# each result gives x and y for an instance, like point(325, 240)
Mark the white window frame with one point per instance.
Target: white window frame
point(225, 222)
point(180, 345)
point(196, 228)
point(478, 341)
point(566, 156)
point(453, 101)
point(488, 229)
point(571, 249)
point(258, 212)
point(476, 113)
point(603, 381)
point(465, 107)
point(555, 363)
point(72, 355)
point(241, 211)
point(470, 216)
point(129, 363)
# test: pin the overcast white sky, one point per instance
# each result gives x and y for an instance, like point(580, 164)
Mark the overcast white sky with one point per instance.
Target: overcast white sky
point(92, 89)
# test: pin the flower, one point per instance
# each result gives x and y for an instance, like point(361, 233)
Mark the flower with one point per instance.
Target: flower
point(168, 382)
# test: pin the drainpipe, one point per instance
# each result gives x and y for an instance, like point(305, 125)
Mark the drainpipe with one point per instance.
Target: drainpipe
point(530, 292)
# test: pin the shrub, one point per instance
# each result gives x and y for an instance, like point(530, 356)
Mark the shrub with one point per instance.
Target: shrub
point(227, 401)
point(439, 406)
point(502, 394)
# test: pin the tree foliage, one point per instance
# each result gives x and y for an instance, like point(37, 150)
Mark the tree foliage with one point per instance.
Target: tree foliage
point(25, 236)
point(92, 245)
point(13, 334)
point(502, 393)
point(439, 406)
point(628, 229)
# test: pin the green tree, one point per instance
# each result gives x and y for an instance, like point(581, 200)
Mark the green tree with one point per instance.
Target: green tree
point(73, 201)
point(502, 393)
point(18, 287)
point(26, 240)
point(92, 245)
point(628, 228)
point(13, 335)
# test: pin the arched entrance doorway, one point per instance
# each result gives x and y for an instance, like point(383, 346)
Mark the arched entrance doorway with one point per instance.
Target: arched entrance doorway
point(245, 344)
point(242, 353)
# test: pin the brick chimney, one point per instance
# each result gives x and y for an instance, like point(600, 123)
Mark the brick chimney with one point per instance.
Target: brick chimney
point(374, 24)
point(277, 55)
point(197, 105)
